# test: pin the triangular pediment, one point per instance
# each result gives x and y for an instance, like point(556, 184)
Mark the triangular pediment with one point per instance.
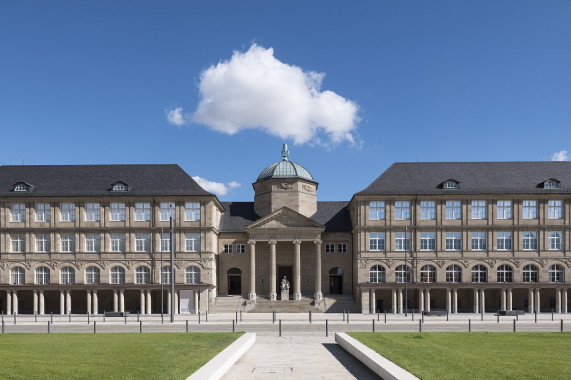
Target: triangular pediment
point(284, 218)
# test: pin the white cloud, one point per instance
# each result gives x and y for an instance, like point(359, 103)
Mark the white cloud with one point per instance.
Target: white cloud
point(254, 90)
point(217, 188)
point(561, 156)
point(176, 117)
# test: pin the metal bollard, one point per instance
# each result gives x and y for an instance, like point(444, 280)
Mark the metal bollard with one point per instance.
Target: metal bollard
point(240, 315)
point(14, 318)
point(103, 315)
point(87, 318)
point(422, 319)
point(552, 314)
point(280, 328)
point(52, 318)
point(2, 326)
point(69, 316)
point(482, 314)
point(419, 325)
point(343, 315)
point(207, 316)
point(199, 317)
point(514, 325)
point(378, 316)
point(385, 316)
point(561, 325)
point(446, 315)
point(469, 325)
point(326, 328)
point(94, 327)
point(373, 325)
point(498, 316)
point(35, 317)
point(125, 318)
point(138, 316)
point(347, 316)
point(233, 325)
point(274, 317)
point(412, 314)
point(187, 325)
point(141, 326)
point(236, 317)
point(48, 327)
point(517, 314)
point(535, 315)
point(309, 316)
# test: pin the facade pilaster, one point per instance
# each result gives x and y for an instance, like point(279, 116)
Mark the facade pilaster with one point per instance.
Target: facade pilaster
point(558, 300)
point(564, 306)
point(503, 299)
point(196, 302)
point(400, 301)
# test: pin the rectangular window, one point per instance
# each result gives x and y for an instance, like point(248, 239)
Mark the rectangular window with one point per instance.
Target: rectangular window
point(117, 242)
point(529, 209)
point(342, 247)
point(376, 241)
point(555, 240)
point(427, 241)
point(329, 248)
point(192, 211)
point(427, 210)
point(18, 243)
point(92, 212)
point(167, 210)
point(504, 209)
point(453, 241)
point(192, 242)
point(43, 212)
point(142, 242)
point(67, 242)
point(504, 241)
point(18, 212)
point(240, 249)
point(117, 212)
point(402, 242)
point(478, 241)
point(92, 243)
point(165, 243)
point(402, 210)
point(376, 210)
point(529, 241)
point(42, 243)
point(453, 210)
point(228, 248)
point(142, 212)
point(478, 209)
point(67, 212)
point(555, 209)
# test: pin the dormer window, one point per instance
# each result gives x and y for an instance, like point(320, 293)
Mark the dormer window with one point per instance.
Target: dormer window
point(551, 184)
point(119, 186)
point(22, 187)
point(450, 184)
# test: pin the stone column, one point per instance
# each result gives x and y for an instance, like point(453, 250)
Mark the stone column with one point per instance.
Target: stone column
point(169, 300)
point(400, 301)
point(68, 301)
point(8, 302)
point(537, 301)
point(482, 300)
point(421, 301)
point(510, 299)
point(142, 301)
point(449, 300)
point(89, 302)
point(121, 300)
point(455, 300)
point(95, 302)
point(252, 294)
point(297, 270)
point(365, 298)
point(196, 302)
point(394, 301)
point(148, 302)
point(115, 301)
point(530, 305)
point(503, 299)
point(427, 300)
point(35, 301)
point(318, 296)
point(61, 302)
point(273, 279)
point(476, 301)
point(15, 301)
point(373, 301)
point(564, 295)
point(558, 300)
point(176, 302)
point(42, 303)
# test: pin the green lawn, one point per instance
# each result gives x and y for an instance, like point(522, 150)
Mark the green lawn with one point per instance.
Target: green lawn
point(480, 355)
point(108, 356)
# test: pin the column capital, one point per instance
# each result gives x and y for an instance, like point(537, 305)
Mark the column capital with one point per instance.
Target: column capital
point(272, 242)
point(251, 242)
point(317, 241)
point(297, 242)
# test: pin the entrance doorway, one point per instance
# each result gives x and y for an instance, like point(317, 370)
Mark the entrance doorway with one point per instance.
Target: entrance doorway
point(234, 281)
point(287, 272)
point(336, 280)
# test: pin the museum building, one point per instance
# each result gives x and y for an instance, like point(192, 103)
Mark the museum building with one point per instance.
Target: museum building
point(454, 236)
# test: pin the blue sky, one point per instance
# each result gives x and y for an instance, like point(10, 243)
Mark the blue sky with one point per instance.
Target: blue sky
point(351, 86)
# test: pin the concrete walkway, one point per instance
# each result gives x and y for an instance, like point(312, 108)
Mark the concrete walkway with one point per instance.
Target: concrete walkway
point(297, 356)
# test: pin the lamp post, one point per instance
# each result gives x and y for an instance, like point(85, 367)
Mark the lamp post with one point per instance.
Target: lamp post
point(172, 266)
point(405, 274)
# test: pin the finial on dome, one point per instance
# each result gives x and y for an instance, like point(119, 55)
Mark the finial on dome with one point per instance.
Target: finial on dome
point(285, 153)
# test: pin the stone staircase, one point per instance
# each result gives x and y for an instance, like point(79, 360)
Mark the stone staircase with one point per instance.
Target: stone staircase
point(228, 304)
point(263, 305)
point(337, 304)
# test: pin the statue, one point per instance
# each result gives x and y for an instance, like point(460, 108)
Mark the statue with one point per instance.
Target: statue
point(285, 285)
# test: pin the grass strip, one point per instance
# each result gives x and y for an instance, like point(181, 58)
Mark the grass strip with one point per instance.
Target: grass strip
point(108, 356)
point(476, 355)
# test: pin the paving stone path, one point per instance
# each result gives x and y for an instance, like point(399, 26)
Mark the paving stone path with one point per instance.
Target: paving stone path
point(299, 356)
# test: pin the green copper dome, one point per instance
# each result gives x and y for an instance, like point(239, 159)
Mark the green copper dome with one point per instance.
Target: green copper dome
point(285, 169)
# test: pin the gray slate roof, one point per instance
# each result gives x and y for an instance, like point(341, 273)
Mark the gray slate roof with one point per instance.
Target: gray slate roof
point(333, 215)
point(96, 180)
point(474, 178)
